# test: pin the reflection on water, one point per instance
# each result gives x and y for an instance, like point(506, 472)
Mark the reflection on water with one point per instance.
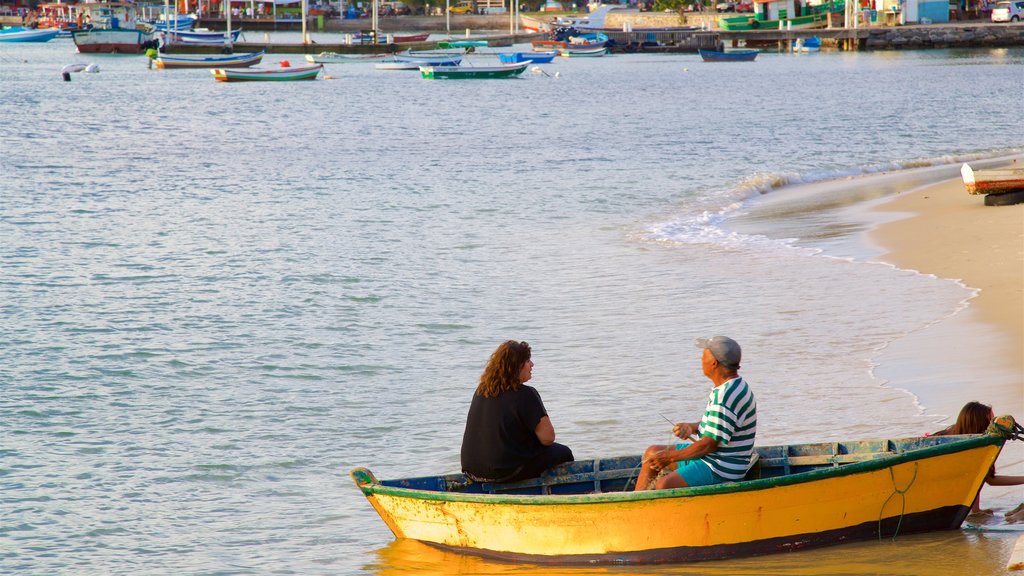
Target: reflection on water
point(953, 553)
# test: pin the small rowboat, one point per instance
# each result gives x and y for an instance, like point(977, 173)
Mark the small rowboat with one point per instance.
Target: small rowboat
point(282, 74)
point(992, 181)
point(473, 72)
point(22, 34)
point(461, 43)
point(794, 496)
point(243, 60)
point(412, 37)
point(411, 62)
point(182, 22)
point(546, 45)
point(582, 51)
point(731, 56)
point(535, 57)
point(335, 58)
point(198, 37)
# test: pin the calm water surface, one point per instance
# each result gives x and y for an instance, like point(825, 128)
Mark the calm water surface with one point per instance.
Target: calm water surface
point(217, 299)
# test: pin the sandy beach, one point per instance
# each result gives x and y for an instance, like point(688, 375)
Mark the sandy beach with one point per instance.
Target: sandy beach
point(952, 234)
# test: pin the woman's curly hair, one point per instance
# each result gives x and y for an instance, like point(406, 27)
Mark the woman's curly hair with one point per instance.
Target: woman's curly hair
point(502, 371)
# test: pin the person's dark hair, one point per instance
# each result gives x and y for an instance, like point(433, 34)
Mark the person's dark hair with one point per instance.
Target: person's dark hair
point(502, 371)
point(974, 418)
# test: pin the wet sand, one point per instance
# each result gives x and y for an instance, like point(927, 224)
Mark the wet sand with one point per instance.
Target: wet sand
point(952, 234)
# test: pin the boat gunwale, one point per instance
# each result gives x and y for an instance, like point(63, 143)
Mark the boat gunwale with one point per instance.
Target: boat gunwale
point(881, 462)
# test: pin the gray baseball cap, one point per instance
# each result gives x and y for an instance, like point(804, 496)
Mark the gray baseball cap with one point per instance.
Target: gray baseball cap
point(723, 348)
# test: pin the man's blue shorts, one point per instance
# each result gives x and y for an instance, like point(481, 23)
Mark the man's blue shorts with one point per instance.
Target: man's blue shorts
point(696, 472)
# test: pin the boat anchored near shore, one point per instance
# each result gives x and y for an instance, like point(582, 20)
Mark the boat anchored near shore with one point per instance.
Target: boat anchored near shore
point(794, 496)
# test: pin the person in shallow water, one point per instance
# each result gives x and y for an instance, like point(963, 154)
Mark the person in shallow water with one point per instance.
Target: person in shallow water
point(974, 418)
point(725, 442)
point(509, 436)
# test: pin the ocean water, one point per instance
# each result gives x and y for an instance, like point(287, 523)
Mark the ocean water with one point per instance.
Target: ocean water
point(217, 299)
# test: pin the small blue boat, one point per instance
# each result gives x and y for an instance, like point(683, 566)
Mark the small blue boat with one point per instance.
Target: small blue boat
point(812, 44)
point(22, 34)
point(536, 57)
point(731, 56)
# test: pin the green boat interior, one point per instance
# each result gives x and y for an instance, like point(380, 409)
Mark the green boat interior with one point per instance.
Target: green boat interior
point(618, 474)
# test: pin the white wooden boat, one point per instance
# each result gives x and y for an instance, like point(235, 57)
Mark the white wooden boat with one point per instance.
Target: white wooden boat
point(198, 36)
point(241, 60)
point(992, 181)
point(282, 74)
point(335, 58)
point(582, 51)
point(114, 40)
point(413, 62)
point(113, 29)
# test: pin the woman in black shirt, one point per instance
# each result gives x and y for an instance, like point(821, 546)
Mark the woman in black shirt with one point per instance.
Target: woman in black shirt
point(509, 436)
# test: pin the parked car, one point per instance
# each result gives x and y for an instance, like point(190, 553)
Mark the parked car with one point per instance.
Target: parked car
point(461, 8)
point(1008, 11)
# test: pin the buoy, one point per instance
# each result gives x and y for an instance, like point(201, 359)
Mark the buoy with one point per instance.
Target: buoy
point(92, 68)
point(285, 63)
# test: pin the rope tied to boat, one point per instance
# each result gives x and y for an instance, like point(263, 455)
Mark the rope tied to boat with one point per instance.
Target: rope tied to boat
point(903, 502)
point(1006, 427)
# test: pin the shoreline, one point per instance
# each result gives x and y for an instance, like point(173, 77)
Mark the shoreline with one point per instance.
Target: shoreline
point(939, 229)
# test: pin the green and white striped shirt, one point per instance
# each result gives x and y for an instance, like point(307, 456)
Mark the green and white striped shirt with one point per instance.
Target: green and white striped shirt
point(731, 419)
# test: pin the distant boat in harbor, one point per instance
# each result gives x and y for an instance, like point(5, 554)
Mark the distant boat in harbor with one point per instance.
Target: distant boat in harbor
point(535, 57)
point(473, 72)
point(282, 74)
point(198, 36)
point(730, 56)
point(242, 60)
point(335, 58)
point(22, 34)
point(113, 29)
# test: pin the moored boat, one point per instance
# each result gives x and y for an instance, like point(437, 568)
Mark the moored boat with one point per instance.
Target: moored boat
point(993, 180)
point(411, 37)
point(473, 72)
point(577, 51)
point(112, 29)
point(461, 43)
point(198, 36)
point(547, 45)
point(22, 34)
point(241, 60)
point(812, 44)
point(794, 496)
point(282, 74)
point(414, 61)
point(732, 23)
point(729, 56)
point(535, 57)
point(335, 58)
point(179, 22)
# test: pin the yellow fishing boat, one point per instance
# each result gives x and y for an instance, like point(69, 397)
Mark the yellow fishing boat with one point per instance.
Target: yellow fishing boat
point(795, 496)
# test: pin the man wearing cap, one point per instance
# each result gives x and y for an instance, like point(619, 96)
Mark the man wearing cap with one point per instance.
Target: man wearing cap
point(725, 434)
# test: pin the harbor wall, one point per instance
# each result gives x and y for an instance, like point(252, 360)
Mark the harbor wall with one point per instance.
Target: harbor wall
point(944, 36)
